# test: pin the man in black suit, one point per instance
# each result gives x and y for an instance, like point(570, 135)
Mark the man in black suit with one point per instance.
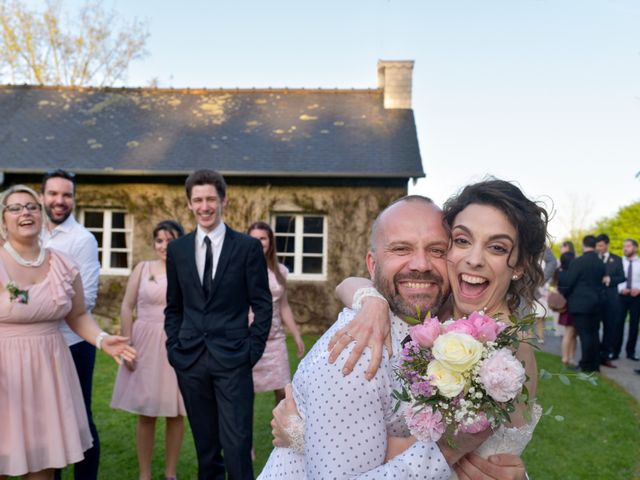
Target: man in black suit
point(611, 312)
point(584, 293)
point(214, 275)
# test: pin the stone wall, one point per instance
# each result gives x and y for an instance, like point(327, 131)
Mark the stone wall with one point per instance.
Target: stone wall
point(350, 212)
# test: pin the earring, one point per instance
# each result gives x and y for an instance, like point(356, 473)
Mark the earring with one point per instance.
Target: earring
point(515, 277)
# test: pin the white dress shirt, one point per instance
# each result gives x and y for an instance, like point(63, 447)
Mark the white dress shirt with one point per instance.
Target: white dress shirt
point(635, 274)
point(347, 420)
point(217, 239)
point(79, 244)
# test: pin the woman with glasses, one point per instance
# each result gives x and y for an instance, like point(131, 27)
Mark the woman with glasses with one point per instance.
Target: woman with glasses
point(42, 414)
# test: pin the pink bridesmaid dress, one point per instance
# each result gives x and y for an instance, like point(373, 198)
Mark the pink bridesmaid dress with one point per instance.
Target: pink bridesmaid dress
point(152, 388)
point(272, 370)
point(43, 423)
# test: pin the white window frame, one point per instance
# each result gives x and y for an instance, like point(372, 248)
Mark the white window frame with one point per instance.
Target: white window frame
point(107, 230)
point(299, 245)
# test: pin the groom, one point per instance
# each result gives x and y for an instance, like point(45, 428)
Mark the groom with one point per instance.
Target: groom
point(214, 275)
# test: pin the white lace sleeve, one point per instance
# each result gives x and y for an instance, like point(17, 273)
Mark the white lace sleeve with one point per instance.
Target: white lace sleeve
point(509, 440)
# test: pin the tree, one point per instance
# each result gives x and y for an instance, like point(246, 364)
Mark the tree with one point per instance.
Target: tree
point(49, 48)
point(624, 224)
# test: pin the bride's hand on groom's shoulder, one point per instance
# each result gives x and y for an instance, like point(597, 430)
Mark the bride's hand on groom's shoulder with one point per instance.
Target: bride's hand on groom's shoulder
point(369, 328)
point(283, 415)
point(504, 466)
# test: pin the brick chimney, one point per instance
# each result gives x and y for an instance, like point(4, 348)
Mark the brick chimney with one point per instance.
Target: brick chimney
point(395, 77)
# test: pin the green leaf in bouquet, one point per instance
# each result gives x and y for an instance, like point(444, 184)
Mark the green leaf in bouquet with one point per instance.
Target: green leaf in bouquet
point(564, 379)
point(559, 418)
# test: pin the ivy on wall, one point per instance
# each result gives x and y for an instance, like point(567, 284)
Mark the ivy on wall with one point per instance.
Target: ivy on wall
point(350, 212)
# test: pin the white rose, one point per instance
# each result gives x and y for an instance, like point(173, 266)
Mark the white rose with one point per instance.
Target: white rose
point(449, 382)
point(457, 351)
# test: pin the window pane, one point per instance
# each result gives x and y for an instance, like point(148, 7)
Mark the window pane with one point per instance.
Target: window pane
point(313, 225)
point(118, 240)
point(98, 236)
point(119, 260)
point(100, 258)
point(117, 220)
point(287, 262)
point(312, 245)
point(285, 224)
point(311, 264)
point(93, 219)
point(285, 244)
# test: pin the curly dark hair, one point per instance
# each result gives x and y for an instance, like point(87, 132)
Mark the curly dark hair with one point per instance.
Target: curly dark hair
point(530, 222)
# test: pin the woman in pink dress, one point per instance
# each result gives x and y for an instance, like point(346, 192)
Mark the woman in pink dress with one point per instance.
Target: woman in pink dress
point(43, 423)
point(272, 372)
point(149, 386)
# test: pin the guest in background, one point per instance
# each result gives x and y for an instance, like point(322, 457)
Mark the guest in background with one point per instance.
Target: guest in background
point(272, 371)
point(214, 275)
point(583, 290)
point(568, 346)
point(43, 420)
point(65, 234)
point(567, 246)
point(630, 298)
point(149, 387)
point(549, 266)
point(612, 307)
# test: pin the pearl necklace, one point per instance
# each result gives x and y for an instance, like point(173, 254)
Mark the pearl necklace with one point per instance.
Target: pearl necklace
point(18, 258)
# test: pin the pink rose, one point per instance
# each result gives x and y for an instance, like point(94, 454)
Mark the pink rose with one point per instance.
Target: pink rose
point(502, 375)
point(464, 325)
point(479, 424)
point(426, 333)
point(487, 328)
point(425, 424)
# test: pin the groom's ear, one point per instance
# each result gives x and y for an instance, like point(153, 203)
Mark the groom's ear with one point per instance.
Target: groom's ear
point(371, 263)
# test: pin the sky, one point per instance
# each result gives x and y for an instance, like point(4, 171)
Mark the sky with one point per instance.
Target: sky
point(545, 93)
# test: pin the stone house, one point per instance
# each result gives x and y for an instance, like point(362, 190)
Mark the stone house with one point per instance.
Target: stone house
point(318, 164)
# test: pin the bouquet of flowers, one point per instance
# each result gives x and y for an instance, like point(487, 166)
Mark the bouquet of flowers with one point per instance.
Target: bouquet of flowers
point(460, 376)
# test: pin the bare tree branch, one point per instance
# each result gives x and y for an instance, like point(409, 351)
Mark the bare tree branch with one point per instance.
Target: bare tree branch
point(52, 48)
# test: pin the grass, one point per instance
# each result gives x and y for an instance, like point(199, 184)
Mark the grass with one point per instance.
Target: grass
point(599, 438)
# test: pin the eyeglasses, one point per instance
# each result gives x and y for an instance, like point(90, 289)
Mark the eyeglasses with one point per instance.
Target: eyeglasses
point(16, 208)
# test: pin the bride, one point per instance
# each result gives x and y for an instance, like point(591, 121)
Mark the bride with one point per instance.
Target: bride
point(497, 239)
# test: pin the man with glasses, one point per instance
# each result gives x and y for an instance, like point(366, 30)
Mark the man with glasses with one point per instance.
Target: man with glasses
point(65, 234)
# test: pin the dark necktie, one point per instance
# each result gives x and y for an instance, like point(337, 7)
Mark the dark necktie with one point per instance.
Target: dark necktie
point(629, 274)
point(208, 268)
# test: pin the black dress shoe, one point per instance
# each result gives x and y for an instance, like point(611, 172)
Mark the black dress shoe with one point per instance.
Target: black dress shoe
point(614, 357)
point(607, 363)
point(633, 358)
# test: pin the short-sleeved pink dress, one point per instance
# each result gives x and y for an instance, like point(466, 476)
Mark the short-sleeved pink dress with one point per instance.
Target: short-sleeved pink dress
point(43, 423)
point(272, 370)
point(152, 388)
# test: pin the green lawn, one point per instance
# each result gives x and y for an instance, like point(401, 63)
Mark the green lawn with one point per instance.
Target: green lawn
point(599, 438)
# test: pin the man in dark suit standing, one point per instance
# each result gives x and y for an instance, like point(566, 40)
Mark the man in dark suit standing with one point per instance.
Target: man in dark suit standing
point(584, 293)
point(214, 275)
point(611, 312)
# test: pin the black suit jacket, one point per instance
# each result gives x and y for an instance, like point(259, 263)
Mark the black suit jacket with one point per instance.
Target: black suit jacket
point(583, 287)
point(219, 323)
point(615, 270)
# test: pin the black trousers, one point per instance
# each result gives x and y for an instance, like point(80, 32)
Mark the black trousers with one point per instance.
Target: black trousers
point(631, 307)
point(219, 405)
point(610, 323)
point(84, 357)
point(587, 326)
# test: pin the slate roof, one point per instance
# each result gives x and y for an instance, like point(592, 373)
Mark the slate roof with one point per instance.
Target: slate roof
point(334, 133)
